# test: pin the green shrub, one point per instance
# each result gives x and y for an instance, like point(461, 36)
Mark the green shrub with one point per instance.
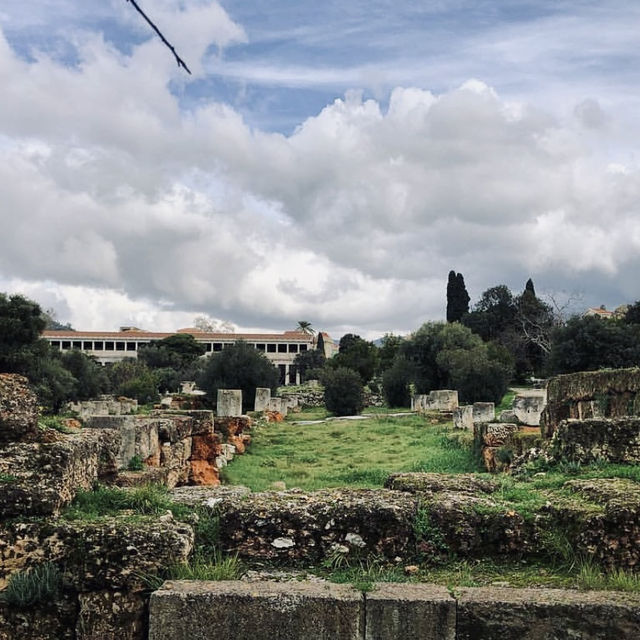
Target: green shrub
point(343, 392)
point(39, 584)
point(396, 381)
point(135, 464)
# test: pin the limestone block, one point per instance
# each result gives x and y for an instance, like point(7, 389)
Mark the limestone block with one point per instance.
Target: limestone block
point(410, 612)
point(275, 404)
point(248, 611)
point(508, 415)
point(42, 478)
point(116, 615)
point(263, 395)
point(534, 614)
point(528, 408)
point(48, 621)
point(229, 403)
point(18, 410)
point(463, 417)
point(443, 400)
point(484, 412)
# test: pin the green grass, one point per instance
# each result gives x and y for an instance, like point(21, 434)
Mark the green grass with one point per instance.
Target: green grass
point(506, 402)
point(339, 453)
point(7, 478)
point(39, 584)
point(55, 422)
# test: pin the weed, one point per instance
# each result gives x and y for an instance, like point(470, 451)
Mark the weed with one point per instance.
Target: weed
point(430, 541)
point(364, 574)
point(54, 422)
point(592, 577)
point(40, 584)
point(135, 464)
point(215, 567)
point(7, 478)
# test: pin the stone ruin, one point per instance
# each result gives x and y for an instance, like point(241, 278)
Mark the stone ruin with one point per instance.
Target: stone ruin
point(103, 406)
point(441, 400)
point(107, 562)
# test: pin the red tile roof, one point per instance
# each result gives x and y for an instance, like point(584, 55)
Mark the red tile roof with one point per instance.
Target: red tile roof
point(292, 336)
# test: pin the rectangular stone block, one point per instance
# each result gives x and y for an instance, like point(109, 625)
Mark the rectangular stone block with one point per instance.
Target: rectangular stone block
point(463, 417)
point(529, 407)
point(263, 395)
point(541, 614)
point(231, 610)
point(410, 612)
point(484, 412)
point(229, 403)
point(275, 404)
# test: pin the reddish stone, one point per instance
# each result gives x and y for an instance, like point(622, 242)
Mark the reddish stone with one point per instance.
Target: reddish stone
point(239, 442)
point(204, 474)
point(273, 416)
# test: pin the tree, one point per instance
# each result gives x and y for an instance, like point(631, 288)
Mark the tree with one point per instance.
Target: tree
point(177, 351)
point(590, 343)
point(396, 381)
point(494, 313)
point(305, 327)
point(343, 392)
point(239, 366)
point(21, 323)
point(357, 354)
point(457, 297)
point(309, 360)
point(632, 316)
point(388, 351)
point(90, 378)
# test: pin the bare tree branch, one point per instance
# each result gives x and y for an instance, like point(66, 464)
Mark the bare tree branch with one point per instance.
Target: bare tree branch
point(179, 60)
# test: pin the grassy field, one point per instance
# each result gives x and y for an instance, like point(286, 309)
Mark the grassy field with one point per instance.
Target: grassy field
point(346, 453)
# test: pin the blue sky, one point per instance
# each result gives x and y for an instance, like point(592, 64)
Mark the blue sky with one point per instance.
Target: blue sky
point(329, 161)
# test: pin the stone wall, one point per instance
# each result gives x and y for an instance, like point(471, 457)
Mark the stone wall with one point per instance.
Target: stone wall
point(611, 393)
point(324, 611)
point(103, 406)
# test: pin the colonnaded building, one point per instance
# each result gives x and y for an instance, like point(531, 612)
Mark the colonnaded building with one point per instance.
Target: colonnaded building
point(113, 346)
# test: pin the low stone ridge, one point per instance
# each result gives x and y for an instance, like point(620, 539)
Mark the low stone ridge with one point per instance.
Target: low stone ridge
point(612, 393)
point(18, 410)
point(586, 441)
point(417, 482)
point(541, 614)
point(293, 526)
point(249, 611)
point(42, 478)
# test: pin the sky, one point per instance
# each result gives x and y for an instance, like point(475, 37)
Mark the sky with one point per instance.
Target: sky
point(328, 162)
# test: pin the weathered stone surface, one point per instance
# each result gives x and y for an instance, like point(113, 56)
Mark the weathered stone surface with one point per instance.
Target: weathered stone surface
point(106, 405)
point(275, 404)
point(528, 407)
point(112, 553)
point(292, 526)
point(586, 441)
point(484, 412)
point(611, 393)
point(546, 614)
point(208, 496)
point(111, 615)
point(49, 621)
point(205, 450)
point(229, 403)
point(263, 395)
point(18, 410)
point(410, 612)
point(41, 478)
point(437, 482)
point(248, 611)
point(438, 400)
point(463, 417)
point(489, 437)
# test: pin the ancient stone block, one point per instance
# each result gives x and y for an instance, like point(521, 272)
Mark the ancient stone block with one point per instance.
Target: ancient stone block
point(115, 615)
point(416, 482)
point(18, 410)
point(528, 407)
point(536, 614)
point(41, 478)
point(463, 417)
point(247, 611)
point(275, 404)
point(47, 621)
point(263, 395)
point(484, 412)
point(229, 403)
point(443, 400)
point(294, 526)
point(410, 612)
point(586, 441)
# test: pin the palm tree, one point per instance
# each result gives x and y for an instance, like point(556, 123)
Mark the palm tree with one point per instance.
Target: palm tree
point(305, 327)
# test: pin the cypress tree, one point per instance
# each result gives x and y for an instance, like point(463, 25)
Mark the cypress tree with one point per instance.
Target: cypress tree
point(457, 297)
point(529, 287)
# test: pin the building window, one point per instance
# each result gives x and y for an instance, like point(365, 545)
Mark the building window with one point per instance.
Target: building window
point(55, 344)
point(303, 347)
point(293, 370)
point(98, 346)
point(66, 344)
point(293, 348)
point(282, 368)
point(282, 348)
point(77, 344)
point(119, 346)
point(131, 346)
point(260, 347)
point(108, 346)
point(217, 346)
point(87, 346)
point(208, 347)
point(271, 348)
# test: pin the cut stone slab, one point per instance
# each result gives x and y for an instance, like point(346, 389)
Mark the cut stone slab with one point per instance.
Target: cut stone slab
point(546, 614)
point(263, 395)
point(232, 610)
point(229, 403)
point(410, 612)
